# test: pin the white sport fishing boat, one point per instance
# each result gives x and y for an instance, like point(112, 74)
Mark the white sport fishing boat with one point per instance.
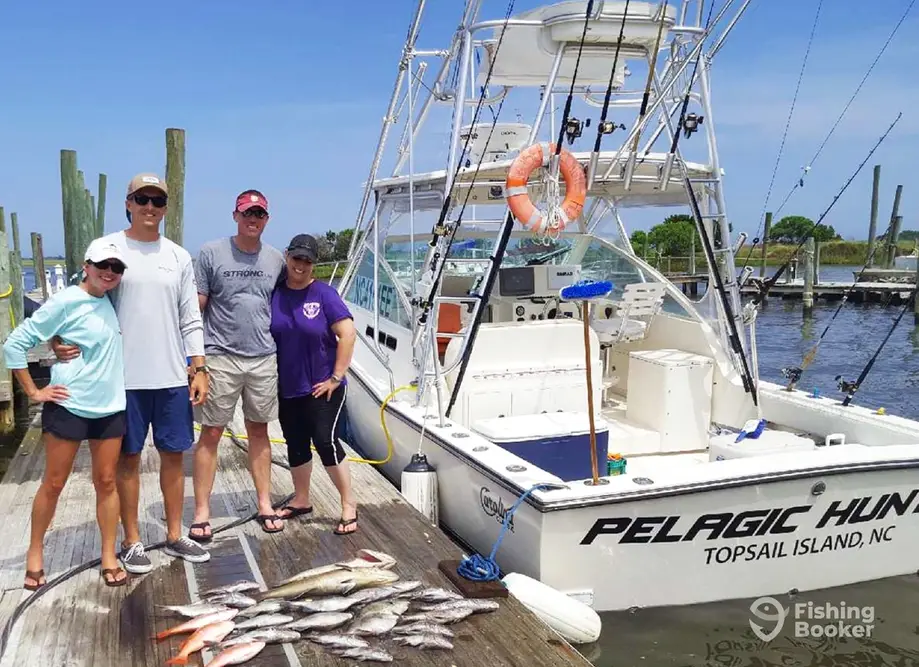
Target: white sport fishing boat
point(467, 320)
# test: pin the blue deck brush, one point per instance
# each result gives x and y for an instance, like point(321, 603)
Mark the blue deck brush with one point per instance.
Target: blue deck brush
point(584, 291)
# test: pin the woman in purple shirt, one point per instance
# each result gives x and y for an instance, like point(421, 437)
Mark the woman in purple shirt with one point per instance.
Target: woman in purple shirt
point(314, 333)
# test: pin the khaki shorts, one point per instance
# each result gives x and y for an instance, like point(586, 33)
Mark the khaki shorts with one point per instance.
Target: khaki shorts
point(255, 379)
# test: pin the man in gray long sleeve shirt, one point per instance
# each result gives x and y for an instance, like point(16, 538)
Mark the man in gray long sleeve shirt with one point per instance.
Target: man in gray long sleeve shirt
point(161, 325)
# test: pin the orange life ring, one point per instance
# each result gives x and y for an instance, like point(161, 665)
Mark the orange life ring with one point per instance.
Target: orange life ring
point(518, 200)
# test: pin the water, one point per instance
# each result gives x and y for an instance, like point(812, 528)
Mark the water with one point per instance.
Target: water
point(719, 634)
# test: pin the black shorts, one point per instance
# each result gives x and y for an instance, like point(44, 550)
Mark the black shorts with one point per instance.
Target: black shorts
point(60, 421)
point(305, 419)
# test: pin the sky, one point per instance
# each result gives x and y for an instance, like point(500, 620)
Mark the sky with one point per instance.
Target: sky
point(287, 97)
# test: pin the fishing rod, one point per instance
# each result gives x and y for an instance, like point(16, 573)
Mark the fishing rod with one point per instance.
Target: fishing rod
point(492, 274)
point(630, 165)
point(850, 388)
point(604, 127)
point(794, 374)
point(769, 283)
point(439, 230)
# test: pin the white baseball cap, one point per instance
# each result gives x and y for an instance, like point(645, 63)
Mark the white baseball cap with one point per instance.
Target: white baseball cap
point(101, 249)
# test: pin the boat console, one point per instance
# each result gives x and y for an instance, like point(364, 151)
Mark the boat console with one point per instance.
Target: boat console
point(525, 293)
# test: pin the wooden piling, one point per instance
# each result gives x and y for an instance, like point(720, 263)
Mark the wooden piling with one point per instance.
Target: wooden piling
point(175, 181)
point(38, 265)
point(7, 416)
point(762, 258)
point(79, 226)
point(894, 238)
point(16, 271)
point(916, 297)
point(100, 205)
point(816, 262)
point(808, 269)
point(873, 221)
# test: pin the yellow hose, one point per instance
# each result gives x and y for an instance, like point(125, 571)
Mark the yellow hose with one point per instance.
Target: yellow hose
point(12, 317)
point(354, 459)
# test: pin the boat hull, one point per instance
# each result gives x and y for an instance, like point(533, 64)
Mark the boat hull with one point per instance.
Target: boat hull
point(729, 541)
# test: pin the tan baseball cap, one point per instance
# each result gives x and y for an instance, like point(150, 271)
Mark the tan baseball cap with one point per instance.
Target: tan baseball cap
point(147, 181)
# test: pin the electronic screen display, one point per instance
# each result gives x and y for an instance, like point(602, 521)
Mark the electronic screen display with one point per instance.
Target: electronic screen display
point(517, 281)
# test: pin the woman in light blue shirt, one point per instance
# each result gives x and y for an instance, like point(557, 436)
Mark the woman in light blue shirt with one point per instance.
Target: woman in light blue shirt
point(84, 401)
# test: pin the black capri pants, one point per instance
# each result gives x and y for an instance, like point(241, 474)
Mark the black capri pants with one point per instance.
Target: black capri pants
point(306, 419)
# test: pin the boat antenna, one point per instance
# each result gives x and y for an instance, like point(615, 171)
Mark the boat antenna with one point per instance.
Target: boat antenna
point(799, 183)
point(768, 284)
point(500, 248)
point(794, 374)
point(440, 229)
point(849, 388)
point(604, 127)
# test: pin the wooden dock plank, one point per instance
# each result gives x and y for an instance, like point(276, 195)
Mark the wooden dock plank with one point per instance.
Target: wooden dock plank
point(82, 622)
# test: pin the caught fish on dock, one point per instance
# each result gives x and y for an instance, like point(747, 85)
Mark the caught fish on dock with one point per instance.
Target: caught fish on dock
point(197, 623)
point(267, 635)
point(195, 609)
point(236, 655)
point(382, 592)
point(393, 607)
point(340, 582)
point(431, 641)
point(337, 641)
point(264, 621)
point(477, 606)
point(335, 603)
point(422, 628)
point(320, 621)
point(373, 625)
point(201, 638)
point(364, 654)
point(366, 558)
point(235, 600)
point(446, 616)
point(265, 607)
point(240, 586)
point(433, 595)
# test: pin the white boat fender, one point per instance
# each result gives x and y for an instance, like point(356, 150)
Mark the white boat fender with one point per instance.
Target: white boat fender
point(419, 487)
point(572, 619)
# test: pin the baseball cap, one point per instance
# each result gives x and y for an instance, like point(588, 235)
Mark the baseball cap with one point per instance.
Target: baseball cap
point(250, 199)
point(147, 181)
point(303, 246)
point(101, 250)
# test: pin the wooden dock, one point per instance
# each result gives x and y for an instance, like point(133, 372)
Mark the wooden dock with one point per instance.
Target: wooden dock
point(81, 622)
point(886, 293)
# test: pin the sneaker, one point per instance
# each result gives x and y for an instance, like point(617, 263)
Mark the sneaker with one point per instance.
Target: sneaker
point(135, 560)
point(186, 548)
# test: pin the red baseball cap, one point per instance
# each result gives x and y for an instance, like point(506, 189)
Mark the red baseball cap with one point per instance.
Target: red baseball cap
point(249, 199)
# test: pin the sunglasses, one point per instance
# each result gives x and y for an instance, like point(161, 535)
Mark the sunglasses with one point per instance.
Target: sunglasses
point(116, 267)
point(159, 201)
point(259, 213)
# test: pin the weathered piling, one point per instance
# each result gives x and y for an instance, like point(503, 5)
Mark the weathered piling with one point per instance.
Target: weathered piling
point(175, 181)
point(7, 416)
point(873, 221)
point(79, 215)
point(16, 271)
point(808, 269)
point(100, 205)
point(816, 262)
point(38, 265)
point(895, 227)
point(762, 258)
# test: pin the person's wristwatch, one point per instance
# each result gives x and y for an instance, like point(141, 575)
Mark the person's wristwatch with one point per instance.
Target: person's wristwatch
point(202, 369)
point(335, 379)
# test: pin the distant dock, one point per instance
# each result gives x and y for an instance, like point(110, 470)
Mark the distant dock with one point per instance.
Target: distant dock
point(80, 622)
point(885, 293)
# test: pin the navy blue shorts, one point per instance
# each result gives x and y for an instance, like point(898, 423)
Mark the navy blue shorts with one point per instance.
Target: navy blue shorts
point(169, 411)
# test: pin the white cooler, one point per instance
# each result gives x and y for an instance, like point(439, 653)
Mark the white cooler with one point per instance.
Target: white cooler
point(723, 447)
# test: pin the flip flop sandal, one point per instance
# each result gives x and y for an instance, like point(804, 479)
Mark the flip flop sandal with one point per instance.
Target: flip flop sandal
point(114, 581)
point(200, 539)
point(344, 523)
point(265, 518)
point(37, 576)
point(295, 511)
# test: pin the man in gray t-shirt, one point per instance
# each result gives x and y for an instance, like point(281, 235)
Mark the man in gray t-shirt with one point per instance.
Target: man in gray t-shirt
point(235, 279)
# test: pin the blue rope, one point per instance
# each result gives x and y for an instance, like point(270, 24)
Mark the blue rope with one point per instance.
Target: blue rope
point(479, 568)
